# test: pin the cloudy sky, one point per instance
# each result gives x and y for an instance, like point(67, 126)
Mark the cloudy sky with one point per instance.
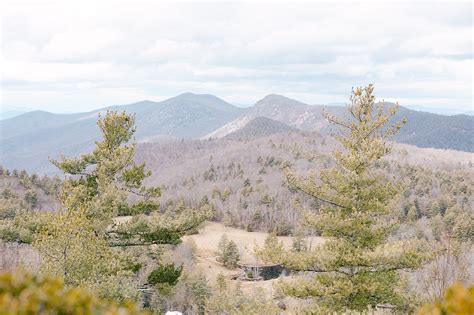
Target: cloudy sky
point(67, 56)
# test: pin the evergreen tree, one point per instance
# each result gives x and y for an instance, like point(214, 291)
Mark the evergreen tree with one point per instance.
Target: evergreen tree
point(227, 252)
point(221, 252)
point(233, 256)
point(221, 282)
point(200, 291)
point(70, 249)
point(77, 242)
point(357, 267)
point(299, 242)
point(272, 250)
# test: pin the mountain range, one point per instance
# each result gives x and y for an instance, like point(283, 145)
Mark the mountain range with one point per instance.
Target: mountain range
point(29, 139)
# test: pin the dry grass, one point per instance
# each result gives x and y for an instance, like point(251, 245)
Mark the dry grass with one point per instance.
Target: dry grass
point(206, 242)
point(211, 233)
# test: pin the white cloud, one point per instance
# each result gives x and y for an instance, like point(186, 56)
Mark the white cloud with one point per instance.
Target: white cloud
point(59, 72)
point(93, 54)
point(74, 45)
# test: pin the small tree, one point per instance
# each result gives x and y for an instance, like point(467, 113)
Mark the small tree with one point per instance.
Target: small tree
point(272, 250)
point(31, 197)
point(200, 292)
point(221, 282)
point(221, 252)
point(299, 242)
point(233, 255)
point(227, 252)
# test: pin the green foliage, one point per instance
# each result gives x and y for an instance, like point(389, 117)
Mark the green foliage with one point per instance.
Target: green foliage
point(23, 227)
point(165, 274)
point(227, 252)
point(272, 250)
point(456, 224)
point(228, 298)
point(358, 262)
point(221, 282)
point(77, 243)
point(200, 291)
point(20, 195)
point(458, 299)
point(11, 205)
point(70, 249)
point(25, 293)
point(104, 178)
point(31, 198)
point(233, 255)
point(141, 207)
point(299, 242)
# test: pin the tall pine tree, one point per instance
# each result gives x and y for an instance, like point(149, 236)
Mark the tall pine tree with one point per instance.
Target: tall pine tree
point(357, 267)
point(77, 242)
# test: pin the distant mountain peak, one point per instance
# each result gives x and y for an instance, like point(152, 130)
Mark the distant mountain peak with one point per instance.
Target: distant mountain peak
point(206, 100)
point(273, 100)
point(190, 95)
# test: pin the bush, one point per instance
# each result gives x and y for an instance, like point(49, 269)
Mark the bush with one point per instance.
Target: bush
point(458, 299)
point(165, 274)
point(283, 229)
point(25, 293)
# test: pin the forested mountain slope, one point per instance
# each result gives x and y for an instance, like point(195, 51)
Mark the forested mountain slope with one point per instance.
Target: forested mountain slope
point(244, 178)
point(424, 129)
point(29, 139)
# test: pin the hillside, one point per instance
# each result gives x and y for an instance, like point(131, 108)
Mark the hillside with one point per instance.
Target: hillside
point(245, 181)
point(259, 127)
point(427, 130)
point(30, 139)
point(279, 108)
point(22, 192)
point(424, 129)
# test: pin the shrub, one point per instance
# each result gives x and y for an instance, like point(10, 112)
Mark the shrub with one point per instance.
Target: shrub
point(458, 299)
point(25, 293)
point(168, 274)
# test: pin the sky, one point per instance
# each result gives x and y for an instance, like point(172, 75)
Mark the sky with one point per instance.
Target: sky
point(71, 56)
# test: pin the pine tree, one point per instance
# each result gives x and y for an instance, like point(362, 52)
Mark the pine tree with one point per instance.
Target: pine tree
point(272, 250)
point(357, 267)
point(221, 282)
point(221, 252)
point(77, 242)
point(200, 290)
point(299, 242)
point(233, 256)
point(71, 250)
point(227, 252)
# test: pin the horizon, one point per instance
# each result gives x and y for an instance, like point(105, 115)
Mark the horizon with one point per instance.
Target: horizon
point(17, 111)
point(90, 57)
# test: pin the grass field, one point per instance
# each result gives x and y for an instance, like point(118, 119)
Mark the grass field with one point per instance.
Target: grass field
point(206, 243)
